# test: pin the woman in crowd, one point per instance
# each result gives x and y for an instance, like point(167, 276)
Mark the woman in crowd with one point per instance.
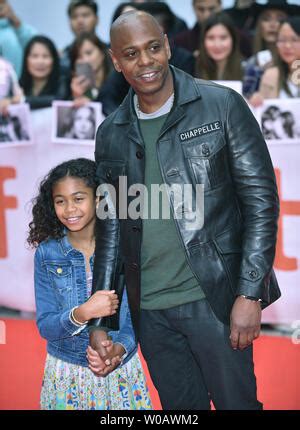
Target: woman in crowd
point(219, 57)
point(268, 24)
point(41, 79)
point(281, 80)
point(88, 50)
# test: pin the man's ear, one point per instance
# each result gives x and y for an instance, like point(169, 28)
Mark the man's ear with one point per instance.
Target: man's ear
point(167, 46)
point(114, 60)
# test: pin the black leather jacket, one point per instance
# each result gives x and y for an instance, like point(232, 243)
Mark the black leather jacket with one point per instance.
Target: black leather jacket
point(211, 138)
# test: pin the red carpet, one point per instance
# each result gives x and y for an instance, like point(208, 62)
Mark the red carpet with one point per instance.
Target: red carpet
point(22, 359)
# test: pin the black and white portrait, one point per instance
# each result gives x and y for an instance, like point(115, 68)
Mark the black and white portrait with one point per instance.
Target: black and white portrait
point(76, 124)
point(280, 119)
point(15, 126)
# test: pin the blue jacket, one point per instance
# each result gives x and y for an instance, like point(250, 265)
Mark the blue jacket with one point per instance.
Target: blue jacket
point(60, 284)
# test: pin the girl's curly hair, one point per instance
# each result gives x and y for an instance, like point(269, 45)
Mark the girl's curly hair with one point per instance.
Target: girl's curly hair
point(45, 224)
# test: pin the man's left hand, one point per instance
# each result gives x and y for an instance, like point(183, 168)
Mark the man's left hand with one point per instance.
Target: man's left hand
point(245, 322)
point(112, 360)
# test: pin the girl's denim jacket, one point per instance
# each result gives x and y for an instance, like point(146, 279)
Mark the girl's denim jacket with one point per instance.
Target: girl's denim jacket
point(60, 285)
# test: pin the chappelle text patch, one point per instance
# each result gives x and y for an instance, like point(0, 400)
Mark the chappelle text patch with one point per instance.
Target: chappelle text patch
point(199, 131)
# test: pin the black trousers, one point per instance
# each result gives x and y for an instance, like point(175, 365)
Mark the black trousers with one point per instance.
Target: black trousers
point(191, 360)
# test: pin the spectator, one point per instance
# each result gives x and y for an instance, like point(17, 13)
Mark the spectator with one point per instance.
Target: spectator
point(41, 79)
point(280, 80)
point(190, 39)
point(178, 24)
point(270, 17)
point(243, 15)
point(88, 49)
point(83, 16)
point(14, 36)
point(10, 91)
point(123, 8)
point(219, 57)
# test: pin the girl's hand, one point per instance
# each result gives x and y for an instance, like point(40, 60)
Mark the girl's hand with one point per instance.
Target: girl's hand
point(100, 304)
point(79, 86)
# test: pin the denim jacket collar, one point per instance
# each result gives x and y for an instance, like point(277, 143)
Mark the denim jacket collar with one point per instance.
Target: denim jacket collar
point(67, 247)
point(65, 244)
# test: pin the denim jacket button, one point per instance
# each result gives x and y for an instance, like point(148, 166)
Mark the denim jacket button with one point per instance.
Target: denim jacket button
point(59, 270)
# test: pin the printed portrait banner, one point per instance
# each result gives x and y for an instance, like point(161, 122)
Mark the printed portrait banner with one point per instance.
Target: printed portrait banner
point(15, 126)
point(22, 168)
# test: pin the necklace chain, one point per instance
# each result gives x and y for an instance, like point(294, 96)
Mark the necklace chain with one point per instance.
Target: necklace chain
point(140, 112)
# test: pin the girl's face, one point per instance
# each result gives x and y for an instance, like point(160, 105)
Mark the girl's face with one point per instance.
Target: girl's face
point(288, 44)
point(39, 61)
point(218, 43)
point(270, 24)
point(90, 53)
point(83, 124)
point(74, 204)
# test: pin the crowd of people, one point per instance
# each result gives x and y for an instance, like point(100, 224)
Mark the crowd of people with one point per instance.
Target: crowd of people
point(250, 42)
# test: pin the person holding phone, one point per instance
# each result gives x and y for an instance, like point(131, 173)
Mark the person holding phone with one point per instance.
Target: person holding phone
point(90, 65)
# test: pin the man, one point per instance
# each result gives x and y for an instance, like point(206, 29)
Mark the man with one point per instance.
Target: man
point(203, 9)
point(14, 36)
point(116, 87)
point(194, 287)
point(83, 15)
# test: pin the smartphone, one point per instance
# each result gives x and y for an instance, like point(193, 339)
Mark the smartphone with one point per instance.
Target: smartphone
point(85, 69)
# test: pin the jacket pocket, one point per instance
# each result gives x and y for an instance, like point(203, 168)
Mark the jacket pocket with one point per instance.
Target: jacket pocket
point(61, 281)
point(208, 161)
point(229, 248)
point(109, 171)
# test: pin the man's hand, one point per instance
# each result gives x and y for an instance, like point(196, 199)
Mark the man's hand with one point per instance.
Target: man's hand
point(114, 354)
point(6, 11)
point(96, 339)
point(245, 322)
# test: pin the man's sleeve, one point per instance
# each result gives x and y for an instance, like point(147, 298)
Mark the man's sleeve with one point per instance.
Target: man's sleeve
point(106, 253)
point(255, 185)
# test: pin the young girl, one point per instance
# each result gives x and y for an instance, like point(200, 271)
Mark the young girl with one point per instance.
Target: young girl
point(62, 229)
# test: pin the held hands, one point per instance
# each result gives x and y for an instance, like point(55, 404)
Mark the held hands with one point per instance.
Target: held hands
point(245, 322)
point(101, 367)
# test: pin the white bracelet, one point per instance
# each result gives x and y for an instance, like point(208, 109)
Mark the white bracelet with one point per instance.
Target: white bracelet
point(78, 323)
